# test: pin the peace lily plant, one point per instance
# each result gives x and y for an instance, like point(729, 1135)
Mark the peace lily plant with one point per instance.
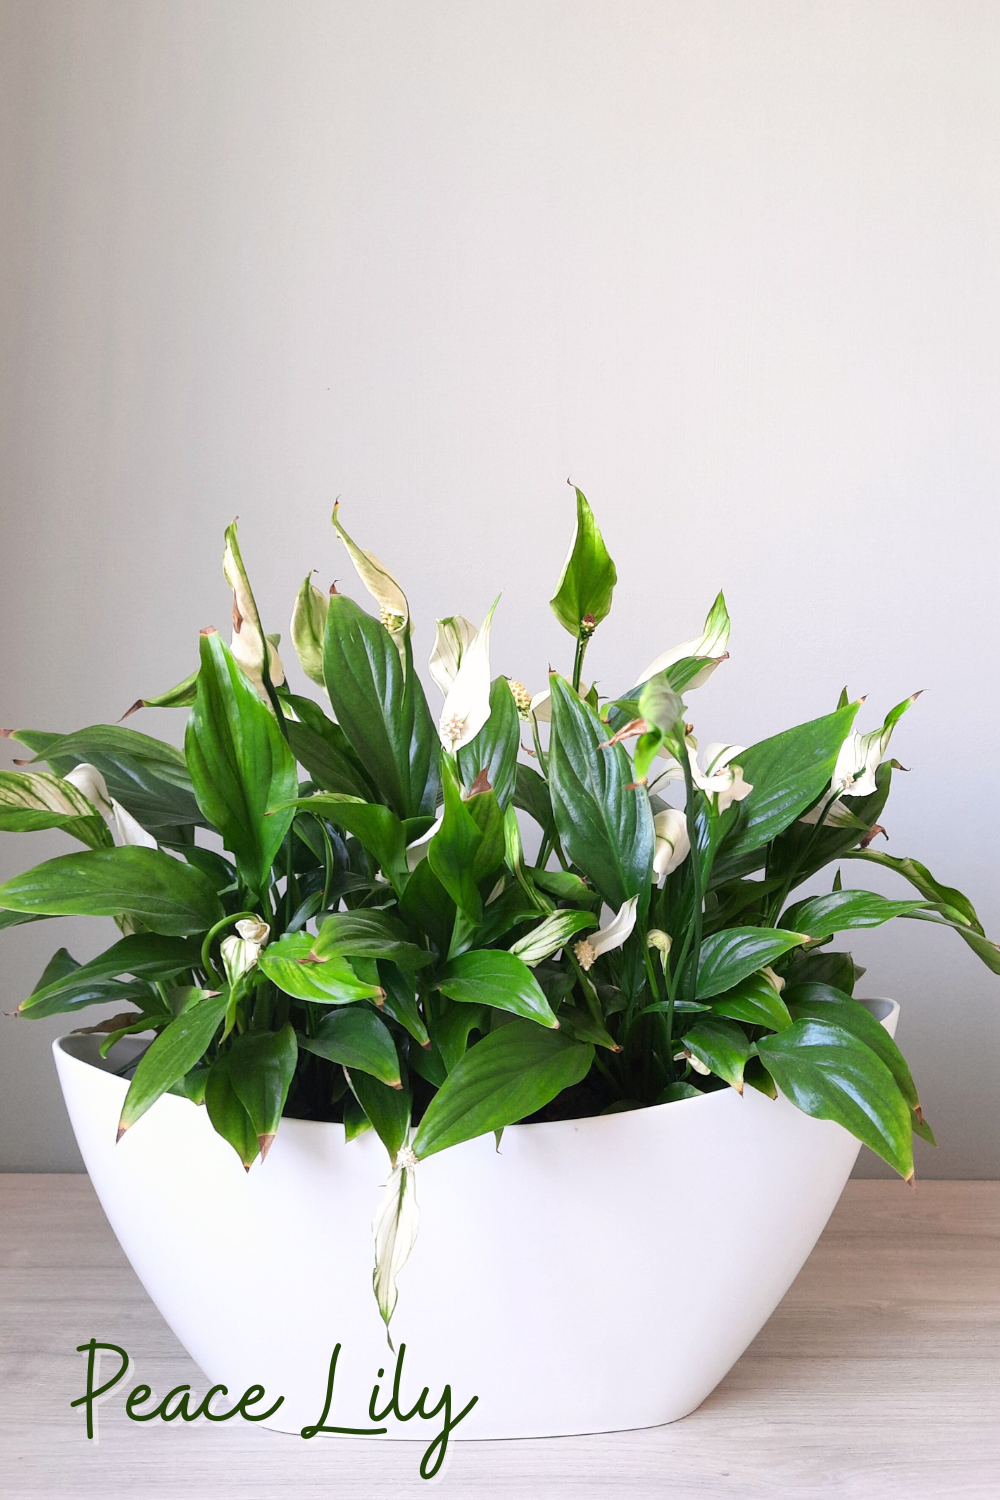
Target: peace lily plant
point(327, 911)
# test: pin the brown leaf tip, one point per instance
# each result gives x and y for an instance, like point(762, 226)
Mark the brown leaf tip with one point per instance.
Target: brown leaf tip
point(265, 1142)
point(121, 1131)
point(139, 703)
point(208, 630)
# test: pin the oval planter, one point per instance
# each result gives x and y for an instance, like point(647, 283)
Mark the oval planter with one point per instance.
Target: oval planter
point(559, 1279)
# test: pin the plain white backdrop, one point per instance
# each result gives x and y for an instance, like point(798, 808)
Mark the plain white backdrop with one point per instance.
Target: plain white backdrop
point(731, 266)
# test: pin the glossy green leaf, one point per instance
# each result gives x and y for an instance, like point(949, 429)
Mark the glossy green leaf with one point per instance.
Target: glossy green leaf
point(322, 747)
point(755, 1001)
point(605, 825)
point(146, 775)
point(141, 954)
point(369, 934)
point(843, 911)
point(243, 771)
point(387, 1108)
point(564, 885)
point(787, 772)
point(332, 981)
point(381, 708)
point(509, 1074)
point(356, 1038)
point(732, 955)
point(919, 876)
point(821, 1002)
point(401, 1001)
point(485, 811)
point(356, 1122)
point(227, 1113)
point(829, 1073)
point(453, 850)
point(495, 748)
point(583, 598)
point(583, 1027)
point(492, 977)
point(426, 906)
point(168, 896)
point(174, 1052)
point(374, 826)
point(722, 1046)
point(451, 1029)
point(822, 966)
point(261, 1069)
point(983, 947)
point(531, 795)
point(33, 800)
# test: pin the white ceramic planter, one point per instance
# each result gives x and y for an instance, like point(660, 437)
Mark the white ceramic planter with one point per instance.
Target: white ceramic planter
point(593, 1275)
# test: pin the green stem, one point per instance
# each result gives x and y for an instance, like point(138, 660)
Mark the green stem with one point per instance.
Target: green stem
point(696, 876)
point(589, 993)
point(206, 955)
point(581, 650)
point(328, 864)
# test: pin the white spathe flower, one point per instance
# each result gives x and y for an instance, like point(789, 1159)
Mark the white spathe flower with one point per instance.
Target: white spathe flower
point(452, 640)
point(89, 780)
point(854, 774)
point(589, 949)
point(395, 1228)
point(467, 702)
point(308, 628)
point(417, 851)
point(673, 844)
point(696, 1063)
point(712, 642)
point(384, 588)
point(541, 703)
point(241, 951)
point(249, 642)
point(720, 779)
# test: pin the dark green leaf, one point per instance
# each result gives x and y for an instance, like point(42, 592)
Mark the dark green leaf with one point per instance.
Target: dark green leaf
point(729, 956)
point(919, 876)
point(453, 850)
point(375, 826)
point(426, 906)
point(787, 772)
point(583, 597)
point(323, 748)
point(722, 1046)
point(356, 1038)
point(369, 934)
point(143, 954)
point(288, 964)
point(675, 1092)
point(450, 1030)
point(604, 825)
point(146, 775)
point(261, 1069)
point(168, 896)
point(755, 1001)
point(381, 709)
point(242, 769)
point(495, 748)
point(387, 1108)
point(828, 1073)
point(821, 1002)
point(531, 795)
point(401, 1002)
point(174, 1052)
point(227, 1113)
point(564, 885)
point(492, 977)
point(509, 1074)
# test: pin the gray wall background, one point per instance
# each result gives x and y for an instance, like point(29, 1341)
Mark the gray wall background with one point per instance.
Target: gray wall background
point(733, 266)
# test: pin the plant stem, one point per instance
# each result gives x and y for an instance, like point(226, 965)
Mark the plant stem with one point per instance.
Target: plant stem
point(589, 993)
point(581, 648)
point(206, 954)
point(696, 875)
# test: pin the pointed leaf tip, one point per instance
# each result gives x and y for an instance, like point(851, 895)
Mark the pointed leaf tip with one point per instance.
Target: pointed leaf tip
point(265, 1142)
point(139, 703)
point(121, 1131)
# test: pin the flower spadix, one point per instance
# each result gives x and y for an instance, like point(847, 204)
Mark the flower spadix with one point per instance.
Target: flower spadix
point(250, 646)
point(712, 642)
point(589, 949)
point(384, 588)
point(467, 701)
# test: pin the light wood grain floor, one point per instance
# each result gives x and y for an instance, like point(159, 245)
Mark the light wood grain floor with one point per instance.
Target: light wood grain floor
point(878, 1376)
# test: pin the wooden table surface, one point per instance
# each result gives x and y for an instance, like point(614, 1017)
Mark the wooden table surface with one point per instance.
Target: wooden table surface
point(879, 1375)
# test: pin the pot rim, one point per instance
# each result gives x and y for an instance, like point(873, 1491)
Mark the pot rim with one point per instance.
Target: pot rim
point(84, 1042)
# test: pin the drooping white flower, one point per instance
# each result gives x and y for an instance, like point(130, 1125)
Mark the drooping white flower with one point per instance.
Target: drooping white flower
point(452, 640)
point(90, 781)
point(712, 642)
point(384, 588)
point(541, 703)
point(720, 779)
point(467, 702)
point(395, 1228)
point(696, 1063)
point(673, 844)
point(249, 642)
point(589, 949)
point(241, 951)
